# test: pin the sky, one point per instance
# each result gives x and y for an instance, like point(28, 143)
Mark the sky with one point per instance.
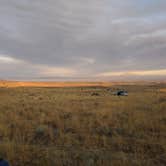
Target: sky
point(83, 40)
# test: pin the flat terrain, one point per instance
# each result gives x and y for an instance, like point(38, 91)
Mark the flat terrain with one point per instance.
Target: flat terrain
point(11, 84)
point(14, 84)
point(68, 126)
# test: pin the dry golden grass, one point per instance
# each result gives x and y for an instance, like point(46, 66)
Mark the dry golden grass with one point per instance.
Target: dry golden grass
point(12, 84)
point(70, 127)
point(163, 90)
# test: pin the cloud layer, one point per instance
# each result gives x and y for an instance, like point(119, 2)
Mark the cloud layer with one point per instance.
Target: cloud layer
point(82, 39)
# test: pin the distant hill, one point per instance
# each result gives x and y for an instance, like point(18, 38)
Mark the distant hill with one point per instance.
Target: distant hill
point(10, 84)
point(52, 84)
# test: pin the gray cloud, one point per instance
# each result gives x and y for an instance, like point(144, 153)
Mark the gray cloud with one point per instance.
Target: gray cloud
point(86, 38)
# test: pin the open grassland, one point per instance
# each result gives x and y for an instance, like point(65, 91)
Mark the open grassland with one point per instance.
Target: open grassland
point(12, 84)
point(70, 127)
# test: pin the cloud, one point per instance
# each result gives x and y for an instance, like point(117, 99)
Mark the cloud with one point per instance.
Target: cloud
point(85, 37)
point(135, 73)
point(159, 35)
point(47, 71)
point(25, 69)
point(9, 60)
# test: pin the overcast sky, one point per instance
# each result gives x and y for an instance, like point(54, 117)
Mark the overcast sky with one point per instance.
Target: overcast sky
point(78, 39)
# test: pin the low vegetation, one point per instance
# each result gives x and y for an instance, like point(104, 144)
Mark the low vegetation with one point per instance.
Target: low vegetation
point(71, 127)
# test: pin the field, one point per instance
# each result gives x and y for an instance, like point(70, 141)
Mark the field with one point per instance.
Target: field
point(68, 126)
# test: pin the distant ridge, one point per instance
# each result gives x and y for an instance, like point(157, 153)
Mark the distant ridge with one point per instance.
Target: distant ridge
point(10, 84)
